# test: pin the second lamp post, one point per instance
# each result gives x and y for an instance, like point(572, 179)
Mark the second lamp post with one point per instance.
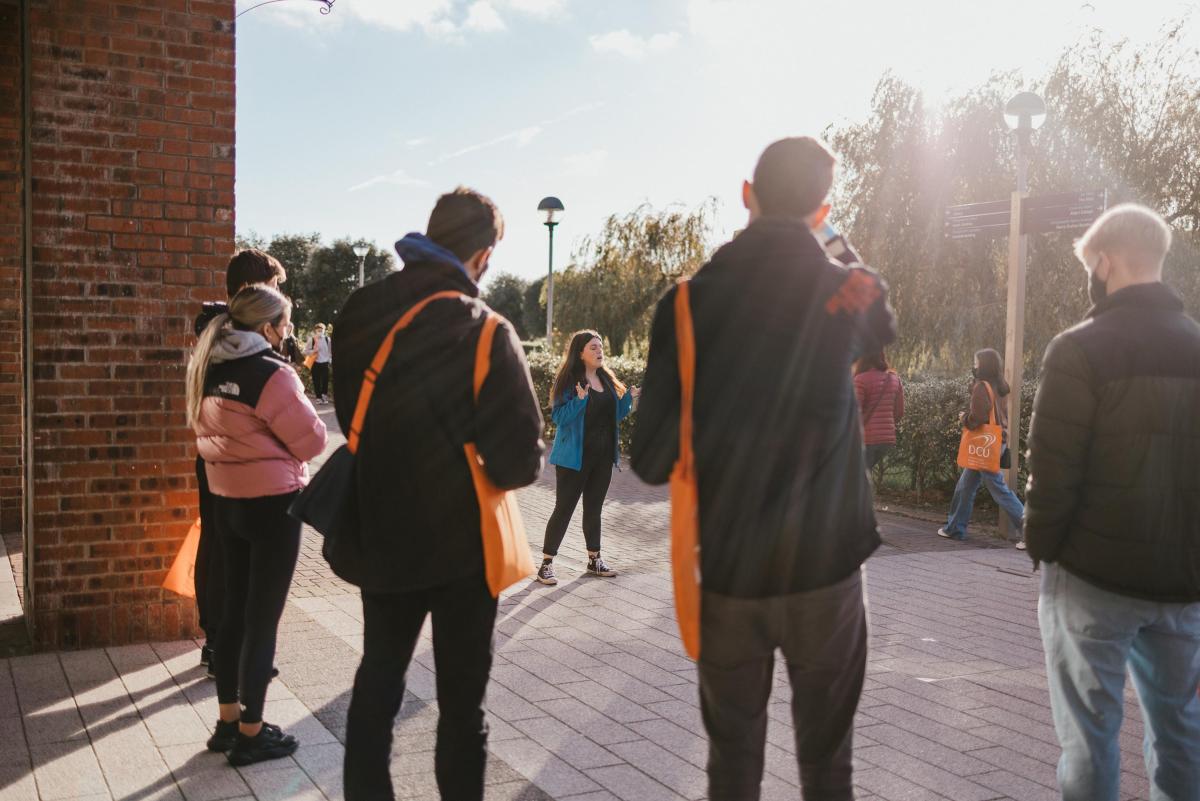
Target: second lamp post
point(551, 207)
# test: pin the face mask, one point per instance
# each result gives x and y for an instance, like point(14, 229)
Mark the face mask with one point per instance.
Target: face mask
point(1097, 289)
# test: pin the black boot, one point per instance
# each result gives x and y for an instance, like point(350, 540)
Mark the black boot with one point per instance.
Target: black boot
point(269, 743)
point(224, 737)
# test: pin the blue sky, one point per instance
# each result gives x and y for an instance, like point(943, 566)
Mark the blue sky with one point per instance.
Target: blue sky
point(351, 123)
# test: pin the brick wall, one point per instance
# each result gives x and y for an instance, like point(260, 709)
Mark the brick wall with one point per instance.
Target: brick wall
point(133, 170)
point(11, 418)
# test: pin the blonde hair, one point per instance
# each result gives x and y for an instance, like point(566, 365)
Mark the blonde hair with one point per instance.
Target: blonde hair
point(1129, 228)
point(252, 307)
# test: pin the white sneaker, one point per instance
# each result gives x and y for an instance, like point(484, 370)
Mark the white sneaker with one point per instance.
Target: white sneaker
point(1020, 545)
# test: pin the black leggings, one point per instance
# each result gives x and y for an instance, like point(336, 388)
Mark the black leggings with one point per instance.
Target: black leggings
point(260, 542)
point(320, 376)
point(592, 483)
point(210, 573)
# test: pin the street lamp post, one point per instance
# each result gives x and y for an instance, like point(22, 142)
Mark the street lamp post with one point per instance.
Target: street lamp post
point(551, 207)
point(1024, 113)
point(361, 251)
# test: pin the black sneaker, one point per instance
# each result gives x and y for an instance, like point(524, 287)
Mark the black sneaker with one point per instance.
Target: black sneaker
point(205, 656)
point(545, 574)
point(224, 737)
point(597, 567)
point(269, 743)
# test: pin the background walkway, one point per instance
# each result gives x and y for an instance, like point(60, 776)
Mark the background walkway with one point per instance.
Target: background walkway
point(591, 697)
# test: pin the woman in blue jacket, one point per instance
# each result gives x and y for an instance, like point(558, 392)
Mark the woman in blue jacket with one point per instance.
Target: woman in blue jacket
point(587, 403)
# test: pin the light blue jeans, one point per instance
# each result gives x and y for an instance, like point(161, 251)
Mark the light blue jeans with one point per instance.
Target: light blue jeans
point(1090, 635)
point(964, 501)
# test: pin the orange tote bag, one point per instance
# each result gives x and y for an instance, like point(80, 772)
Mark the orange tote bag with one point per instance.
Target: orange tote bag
point(505, 549)
point(182, 576)
point(685, 497)
point(980, 449)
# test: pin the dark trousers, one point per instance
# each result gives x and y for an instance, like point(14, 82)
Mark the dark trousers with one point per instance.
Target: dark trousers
point(823, 637)
point(260, 542)
point(320, 376)
point(876, 454)
point(209, 573)
point(590, 483)
point(464, 615)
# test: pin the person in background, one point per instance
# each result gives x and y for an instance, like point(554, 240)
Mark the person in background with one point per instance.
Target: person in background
point(988, 373)
point(785, 512)
point(249, 266)
point(256, 430)
point(588, 403)
point(319, 344)
point(1113, 516)
point(880, 395)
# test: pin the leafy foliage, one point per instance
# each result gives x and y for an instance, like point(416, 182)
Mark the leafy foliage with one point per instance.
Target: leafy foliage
point(1121, 118)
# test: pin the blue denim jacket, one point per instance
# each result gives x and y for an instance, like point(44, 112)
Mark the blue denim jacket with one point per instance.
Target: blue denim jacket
point(568, 415)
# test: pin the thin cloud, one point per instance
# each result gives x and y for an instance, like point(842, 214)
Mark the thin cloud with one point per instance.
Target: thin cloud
point(585, 165)
point(522, 136)
point(632, 46)
point(483, 17)
point(395, 178)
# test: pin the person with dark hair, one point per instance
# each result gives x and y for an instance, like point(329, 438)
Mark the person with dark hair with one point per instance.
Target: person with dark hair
point(249, 266)
point(987, 388)
point(256, 431)
point(880, 395)
point(588, 403)
point(1114, 517)
point(418, 548)
point(785, 508)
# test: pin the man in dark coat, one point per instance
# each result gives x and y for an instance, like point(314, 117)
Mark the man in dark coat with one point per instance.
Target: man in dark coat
point(418, 549)
point(1113, 512)
point(786, 517)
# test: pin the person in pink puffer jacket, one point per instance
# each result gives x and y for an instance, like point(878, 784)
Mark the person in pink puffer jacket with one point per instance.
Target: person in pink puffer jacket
point(256, 431)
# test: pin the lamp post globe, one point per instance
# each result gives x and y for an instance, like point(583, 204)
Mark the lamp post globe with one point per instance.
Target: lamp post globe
point(551, 208)
point(361, 251)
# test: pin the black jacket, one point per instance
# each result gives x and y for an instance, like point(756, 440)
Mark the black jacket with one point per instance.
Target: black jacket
point(420, 518)
point(1114, 449)
point(785, 503)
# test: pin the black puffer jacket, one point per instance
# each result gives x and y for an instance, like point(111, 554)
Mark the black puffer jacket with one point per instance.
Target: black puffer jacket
point(1114, 449)
point(417, 506)
point(785, 503)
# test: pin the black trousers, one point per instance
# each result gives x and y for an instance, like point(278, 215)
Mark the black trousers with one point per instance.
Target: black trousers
point(823, 637)
point(260, 542)
point(320, 376)
point(590, 483)
point(464, 616)
point(209, 573)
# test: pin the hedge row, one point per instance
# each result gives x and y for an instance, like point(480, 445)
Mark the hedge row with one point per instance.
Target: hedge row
point(924, 461)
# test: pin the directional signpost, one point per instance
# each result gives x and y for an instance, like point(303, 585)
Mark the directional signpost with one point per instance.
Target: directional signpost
point(1067, 211)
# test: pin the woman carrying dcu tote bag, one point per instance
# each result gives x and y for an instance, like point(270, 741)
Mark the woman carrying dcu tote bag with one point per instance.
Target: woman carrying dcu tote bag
point(983, 450)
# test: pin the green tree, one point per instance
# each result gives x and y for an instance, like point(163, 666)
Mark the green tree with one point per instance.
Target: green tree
point(1121, 118)
point(506, 295)
point(329, 277)
point(618, 275)
point(533, 308)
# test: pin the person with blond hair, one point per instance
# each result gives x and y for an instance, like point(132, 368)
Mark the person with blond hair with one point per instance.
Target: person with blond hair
point(256, 431)
point(1113, 516)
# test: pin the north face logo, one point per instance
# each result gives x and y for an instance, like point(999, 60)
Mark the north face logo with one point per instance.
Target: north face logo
point(229, 388)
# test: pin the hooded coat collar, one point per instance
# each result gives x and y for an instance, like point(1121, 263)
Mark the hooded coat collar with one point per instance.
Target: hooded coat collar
point(233, 344)
point(414, 248)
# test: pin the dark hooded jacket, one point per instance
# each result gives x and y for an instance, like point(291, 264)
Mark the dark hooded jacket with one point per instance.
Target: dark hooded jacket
point(785, 503)
point(419, 515)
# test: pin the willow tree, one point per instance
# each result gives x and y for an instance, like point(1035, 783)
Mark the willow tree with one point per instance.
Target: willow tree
point(618, 275)
point(1122, 118)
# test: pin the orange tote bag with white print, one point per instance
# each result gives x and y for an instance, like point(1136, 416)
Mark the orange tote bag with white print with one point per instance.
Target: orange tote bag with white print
point(979, 449)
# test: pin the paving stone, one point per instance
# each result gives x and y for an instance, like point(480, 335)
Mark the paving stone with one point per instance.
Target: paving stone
point(564, 742)
point(323, 766)
point(202, 775)
point(924, 774)
point(286, 784)
point(542, 768)
point(629, 784)
point(1010, 785)
point(66, 770)
point(16, 779)
point(656, 762)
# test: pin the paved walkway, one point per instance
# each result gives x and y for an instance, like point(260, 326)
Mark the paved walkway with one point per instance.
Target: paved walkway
point(591, 697)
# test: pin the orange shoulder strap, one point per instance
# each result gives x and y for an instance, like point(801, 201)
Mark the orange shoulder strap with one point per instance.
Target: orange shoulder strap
point(381, 356)
point(685, 343)
point(483, 351)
